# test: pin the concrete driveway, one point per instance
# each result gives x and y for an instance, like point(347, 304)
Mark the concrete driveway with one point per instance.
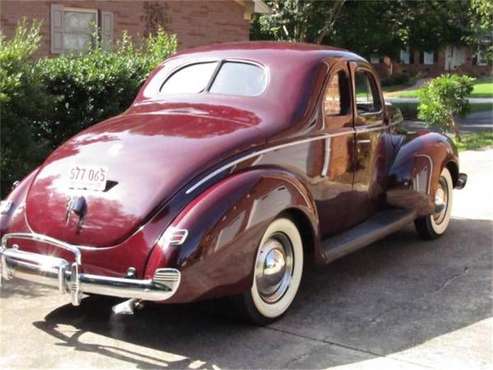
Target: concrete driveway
point(399, 304)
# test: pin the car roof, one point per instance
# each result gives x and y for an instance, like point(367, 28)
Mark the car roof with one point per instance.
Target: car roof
point(263, 51)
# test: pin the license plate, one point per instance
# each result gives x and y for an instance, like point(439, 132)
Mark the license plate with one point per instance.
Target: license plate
point(88, 178)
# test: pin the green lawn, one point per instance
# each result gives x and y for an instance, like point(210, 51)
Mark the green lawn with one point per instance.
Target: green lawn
point(483, 88)
point(475, 141)
point(410, 110)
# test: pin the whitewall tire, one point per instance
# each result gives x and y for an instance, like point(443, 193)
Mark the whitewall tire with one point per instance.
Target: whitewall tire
point(434, 225)
point(276, 274)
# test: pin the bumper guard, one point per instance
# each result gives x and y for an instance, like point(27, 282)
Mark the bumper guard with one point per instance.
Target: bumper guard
point(59, 273)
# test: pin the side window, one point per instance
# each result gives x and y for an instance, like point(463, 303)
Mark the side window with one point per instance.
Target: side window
point(367, 98)
point(337, 99)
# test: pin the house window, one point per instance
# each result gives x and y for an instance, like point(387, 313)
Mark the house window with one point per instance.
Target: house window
point(72, 28)
point(404, 56)
point(78, 27)
point(428, 57)
point(376, 59)
point(480, 58)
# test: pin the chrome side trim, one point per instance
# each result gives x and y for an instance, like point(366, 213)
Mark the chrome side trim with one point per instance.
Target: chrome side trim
point(282, 146)
point(260, 152)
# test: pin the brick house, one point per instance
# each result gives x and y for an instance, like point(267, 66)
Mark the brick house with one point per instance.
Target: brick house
point(457, 59)
point(67, 24)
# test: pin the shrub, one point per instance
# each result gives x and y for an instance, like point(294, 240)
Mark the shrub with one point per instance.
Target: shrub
point(443, 99)
point(22, 103)
point(44, 103)
point(90, 87)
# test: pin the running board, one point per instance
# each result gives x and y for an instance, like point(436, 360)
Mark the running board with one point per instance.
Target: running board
point(373, 229)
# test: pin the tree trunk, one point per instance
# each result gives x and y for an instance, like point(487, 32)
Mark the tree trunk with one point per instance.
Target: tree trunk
point(456, 127)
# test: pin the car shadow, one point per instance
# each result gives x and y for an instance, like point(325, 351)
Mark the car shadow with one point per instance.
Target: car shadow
point(392, 296)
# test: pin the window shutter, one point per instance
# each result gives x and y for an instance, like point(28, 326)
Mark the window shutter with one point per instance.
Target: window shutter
point(421, 57)
point(411, 56)
point(107, 29)
point(435, 56)
point(56, 20)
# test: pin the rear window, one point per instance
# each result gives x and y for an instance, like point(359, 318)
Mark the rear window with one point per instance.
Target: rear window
point(192, 79)
point(239, 79)
point(232, 78)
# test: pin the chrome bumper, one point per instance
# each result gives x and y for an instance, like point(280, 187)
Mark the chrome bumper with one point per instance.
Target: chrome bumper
point(59, 273)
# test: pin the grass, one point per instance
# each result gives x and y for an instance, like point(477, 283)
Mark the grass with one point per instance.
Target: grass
point(483, 88)
point(410, 110)
point(475, 141)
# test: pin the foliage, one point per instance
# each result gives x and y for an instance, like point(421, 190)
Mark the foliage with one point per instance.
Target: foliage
point(381, 27)
point(90, 87)
point(384, 27)
point(298, 20)
point(46, 102)
point(444, 98)
point(481, 25)
point(22, 103)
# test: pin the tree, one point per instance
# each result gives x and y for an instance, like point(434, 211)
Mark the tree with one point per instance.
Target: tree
point(481, 26)
point(384, 27)
point(368, 27)
point(298, 20)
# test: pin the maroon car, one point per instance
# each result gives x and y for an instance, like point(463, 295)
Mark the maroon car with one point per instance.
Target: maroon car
point(234, 164)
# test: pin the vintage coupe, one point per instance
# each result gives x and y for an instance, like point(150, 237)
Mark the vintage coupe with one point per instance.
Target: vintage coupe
point(234, 164)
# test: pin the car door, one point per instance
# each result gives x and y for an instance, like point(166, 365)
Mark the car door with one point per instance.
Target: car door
point(336, 168)
point(370, 130)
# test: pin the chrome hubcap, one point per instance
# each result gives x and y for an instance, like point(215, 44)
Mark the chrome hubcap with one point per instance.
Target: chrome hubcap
point(441, 198)
point(274, 267)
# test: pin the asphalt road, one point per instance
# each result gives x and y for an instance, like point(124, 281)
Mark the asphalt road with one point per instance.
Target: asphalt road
point(399, 304)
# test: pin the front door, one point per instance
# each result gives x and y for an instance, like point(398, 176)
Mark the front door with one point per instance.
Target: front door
point(333, 192)
point(370, 128)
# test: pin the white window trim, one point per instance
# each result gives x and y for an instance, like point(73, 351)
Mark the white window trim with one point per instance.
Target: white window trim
point(428, 57)
point(407, 53)
point(480, 62)
point(81, 10)
point(59, 29)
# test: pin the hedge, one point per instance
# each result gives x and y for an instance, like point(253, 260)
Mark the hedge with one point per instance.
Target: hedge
point(44, 102)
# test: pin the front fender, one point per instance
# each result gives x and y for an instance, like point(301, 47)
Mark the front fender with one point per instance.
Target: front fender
point(225, 225)
point(416, 170)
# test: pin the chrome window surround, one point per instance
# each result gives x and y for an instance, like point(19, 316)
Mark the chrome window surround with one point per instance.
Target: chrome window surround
point(59, 273)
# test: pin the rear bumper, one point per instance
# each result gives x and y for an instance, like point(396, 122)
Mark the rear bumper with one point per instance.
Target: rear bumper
point(66, 277)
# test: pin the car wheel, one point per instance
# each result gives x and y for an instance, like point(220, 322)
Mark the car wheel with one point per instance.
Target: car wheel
point(276, 274)
point(434, 225)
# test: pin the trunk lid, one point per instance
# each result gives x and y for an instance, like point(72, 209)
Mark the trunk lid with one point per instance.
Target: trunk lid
point(148, 157)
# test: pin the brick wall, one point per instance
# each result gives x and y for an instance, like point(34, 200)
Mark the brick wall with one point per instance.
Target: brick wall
point(197, 22)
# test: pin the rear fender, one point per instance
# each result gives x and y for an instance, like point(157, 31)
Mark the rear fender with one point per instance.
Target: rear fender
point(416, 169)
point(225, 224)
